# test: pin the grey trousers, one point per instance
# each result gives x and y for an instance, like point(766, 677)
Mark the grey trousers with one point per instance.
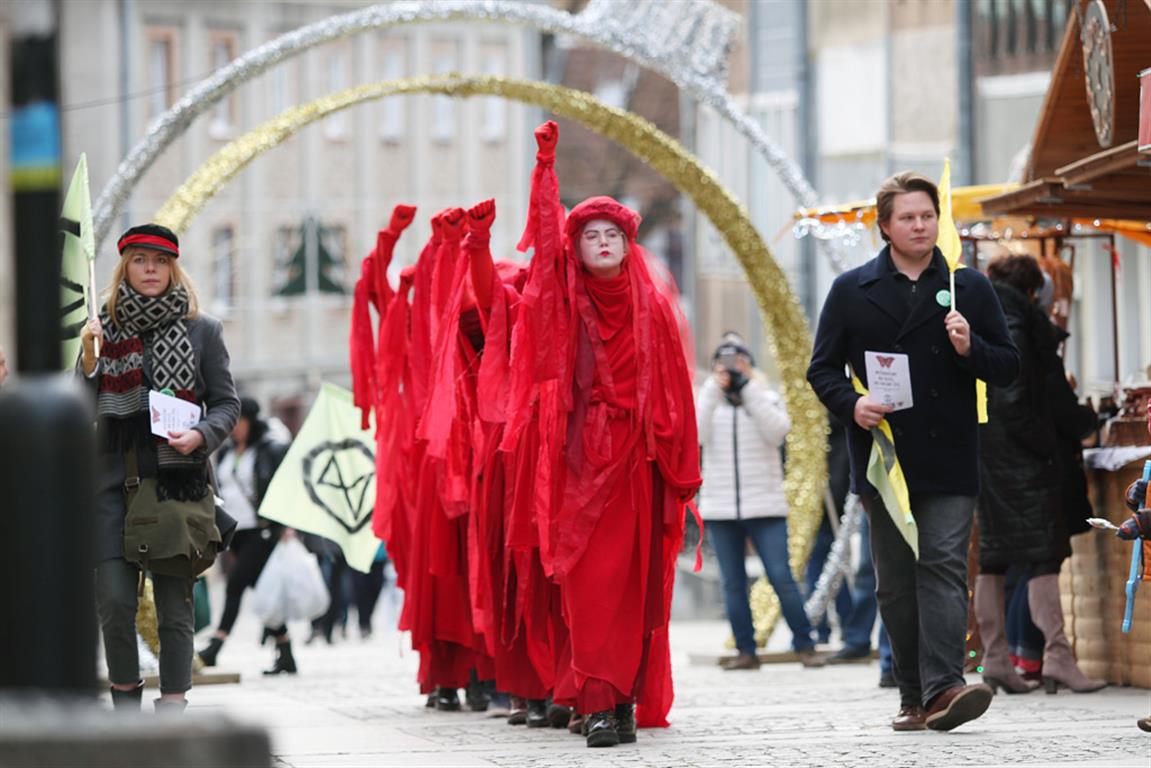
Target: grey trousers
point(924, 603)
point(116, 583)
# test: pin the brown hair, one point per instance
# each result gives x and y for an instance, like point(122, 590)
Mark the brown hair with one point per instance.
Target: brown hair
point(1020, 271)
point(178, 277)
point(901, 184)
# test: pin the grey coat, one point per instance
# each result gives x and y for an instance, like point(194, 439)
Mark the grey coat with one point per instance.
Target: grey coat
point(214, 390)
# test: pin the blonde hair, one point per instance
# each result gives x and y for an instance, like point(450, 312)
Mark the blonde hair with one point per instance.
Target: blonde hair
point(178, 278)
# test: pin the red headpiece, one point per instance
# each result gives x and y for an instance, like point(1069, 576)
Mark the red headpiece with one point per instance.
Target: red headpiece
point(602, 207)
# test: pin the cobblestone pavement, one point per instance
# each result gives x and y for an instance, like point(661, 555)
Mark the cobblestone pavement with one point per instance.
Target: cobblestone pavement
point(355, 703)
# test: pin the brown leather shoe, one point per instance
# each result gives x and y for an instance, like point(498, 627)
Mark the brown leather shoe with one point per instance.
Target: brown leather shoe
point(909, 719)
point(742, 661)
point(812, 659)
point(958, 705)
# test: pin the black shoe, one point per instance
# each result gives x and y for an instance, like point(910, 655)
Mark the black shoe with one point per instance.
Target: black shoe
point(476, 694)
point(537, 713)
point(285, 662)
point(849, 655)
point(602, 730)
point(625, 723)
point(558, 715)
point(519, 711)
point(209, 654)
point(887, 680)
point(431, 702)
point(447, 699)
point(128, 701)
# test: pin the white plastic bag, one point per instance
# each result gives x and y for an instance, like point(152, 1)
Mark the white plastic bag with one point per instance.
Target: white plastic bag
point(291, 587)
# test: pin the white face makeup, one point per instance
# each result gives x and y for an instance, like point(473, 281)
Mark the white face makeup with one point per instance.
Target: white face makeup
point(602, 247)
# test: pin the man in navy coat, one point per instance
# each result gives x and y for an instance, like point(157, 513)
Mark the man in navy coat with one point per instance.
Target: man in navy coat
point(899, 302)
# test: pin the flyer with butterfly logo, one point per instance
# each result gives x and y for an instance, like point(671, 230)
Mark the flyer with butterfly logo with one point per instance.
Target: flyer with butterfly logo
point(889, 379)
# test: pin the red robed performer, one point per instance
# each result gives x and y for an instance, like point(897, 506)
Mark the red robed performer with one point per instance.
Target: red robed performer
point(513, 601)
point(594, 324)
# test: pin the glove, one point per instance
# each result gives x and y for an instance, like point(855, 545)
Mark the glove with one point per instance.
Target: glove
point(546, 137)
point(481, 216)
point(454, 222)
point(1136, 494)
point(1139, 526)
point(402, 216)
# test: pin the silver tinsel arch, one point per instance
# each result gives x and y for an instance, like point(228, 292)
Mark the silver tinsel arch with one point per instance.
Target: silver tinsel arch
point(687, 41)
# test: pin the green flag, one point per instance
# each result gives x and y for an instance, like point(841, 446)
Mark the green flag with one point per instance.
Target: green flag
point(77, 301)
point(326, 484)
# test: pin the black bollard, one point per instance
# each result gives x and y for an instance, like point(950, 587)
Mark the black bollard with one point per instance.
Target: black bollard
point(46, 586)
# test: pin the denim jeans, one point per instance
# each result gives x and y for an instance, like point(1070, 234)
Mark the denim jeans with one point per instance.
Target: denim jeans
point(769, 537)
point(924, 602)
point(116, 584)
point(886, 665)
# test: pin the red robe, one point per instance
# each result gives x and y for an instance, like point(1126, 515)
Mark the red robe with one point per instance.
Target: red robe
point(619, 429)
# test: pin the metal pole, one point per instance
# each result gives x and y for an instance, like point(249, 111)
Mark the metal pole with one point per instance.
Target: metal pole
point(46, 447)
point(1114, 254)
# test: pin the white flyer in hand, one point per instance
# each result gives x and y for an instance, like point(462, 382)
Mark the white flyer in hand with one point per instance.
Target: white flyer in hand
point(889, 379)
point(171, 414)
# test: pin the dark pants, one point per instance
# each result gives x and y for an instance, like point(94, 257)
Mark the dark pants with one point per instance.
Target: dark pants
point(252, 547)
point(769, 537)
point(924, 603)
point(367, 588)
point(116, 583)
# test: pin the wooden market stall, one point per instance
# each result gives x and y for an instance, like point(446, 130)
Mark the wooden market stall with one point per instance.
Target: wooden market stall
point(1087, 163)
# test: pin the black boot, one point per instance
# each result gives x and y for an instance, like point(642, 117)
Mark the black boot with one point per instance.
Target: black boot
point(602, 729)
point(537, 713)
point(558, 715)
point(625, 723)
point(285, 662)
point(476, 694)
point(447, 699)
point(128, 701)
point(208, 655)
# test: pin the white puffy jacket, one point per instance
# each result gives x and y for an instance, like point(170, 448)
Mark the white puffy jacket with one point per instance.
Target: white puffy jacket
point(742, 471)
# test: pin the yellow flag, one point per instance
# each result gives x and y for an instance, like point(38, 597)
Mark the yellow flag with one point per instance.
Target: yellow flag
point(952, 248)
point(77, 300)
point(948, 241)
point(886, 475)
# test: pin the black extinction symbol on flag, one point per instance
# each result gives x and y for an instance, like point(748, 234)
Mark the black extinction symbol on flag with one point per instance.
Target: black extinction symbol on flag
point(339, 474)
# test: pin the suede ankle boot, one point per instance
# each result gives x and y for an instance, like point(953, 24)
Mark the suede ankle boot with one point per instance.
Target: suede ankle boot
point(1059, 667)
point(167, 708)
point(989, 610)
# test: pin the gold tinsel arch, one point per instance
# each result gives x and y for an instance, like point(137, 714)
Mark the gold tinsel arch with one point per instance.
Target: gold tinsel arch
point(787, 331)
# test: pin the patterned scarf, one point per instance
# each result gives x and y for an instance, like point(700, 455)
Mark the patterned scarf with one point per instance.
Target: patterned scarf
point(152, 330)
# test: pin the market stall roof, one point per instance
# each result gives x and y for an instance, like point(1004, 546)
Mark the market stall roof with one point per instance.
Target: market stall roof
point(1070, 172)
point(965, 206)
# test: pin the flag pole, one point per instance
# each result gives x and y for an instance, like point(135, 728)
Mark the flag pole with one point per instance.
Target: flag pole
point(92, 302)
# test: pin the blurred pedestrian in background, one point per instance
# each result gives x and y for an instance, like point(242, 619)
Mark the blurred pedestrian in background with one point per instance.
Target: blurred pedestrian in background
point(244, 469)
point(742, 425)
point(1022, 470)
point(152, 336)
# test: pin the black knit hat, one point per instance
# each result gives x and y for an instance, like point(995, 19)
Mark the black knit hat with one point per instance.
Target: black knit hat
point(153, 236)
point(733, 344)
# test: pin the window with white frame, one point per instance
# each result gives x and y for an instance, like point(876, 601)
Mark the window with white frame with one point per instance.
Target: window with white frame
point(493, 121)
point(161, 52)
point(223, 50)
point(223, 266)
point(392, 112)
point(336, 124)
point(444, 58)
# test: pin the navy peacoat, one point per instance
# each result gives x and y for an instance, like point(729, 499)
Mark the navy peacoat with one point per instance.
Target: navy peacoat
point(937, 439)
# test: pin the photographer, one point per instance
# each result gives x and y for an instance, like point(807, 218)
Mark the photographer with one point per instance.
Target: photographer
point(742, 425)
